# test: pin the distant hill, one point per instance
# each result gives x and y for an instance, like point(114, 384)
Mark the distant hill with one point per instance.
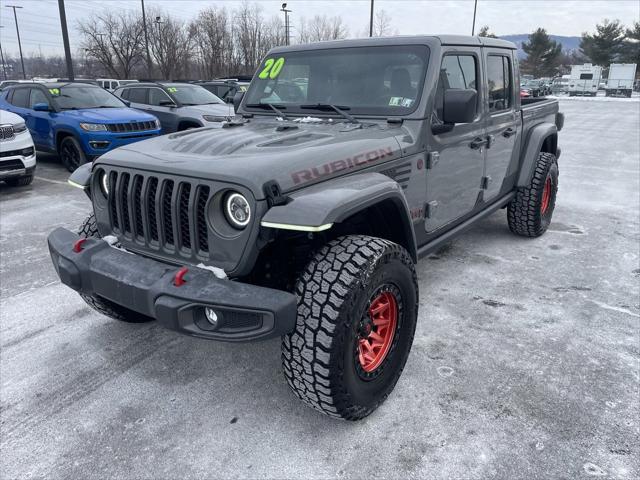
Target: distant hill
point(568, 43)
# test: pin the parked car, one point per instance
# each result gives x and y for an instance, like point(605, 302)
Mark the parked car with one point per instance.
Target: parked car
point(584, 80)
point(224, 89)
point(304, 219)
point(17, 152)
point(560, 85)
point(113, 83)
point(78, 121)
point(620, 80)
point(533, 87)
point(178, 106)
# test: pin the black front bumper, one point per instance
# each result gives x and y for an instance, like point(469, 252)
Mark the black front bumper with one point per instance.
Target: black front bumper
point(245, 312)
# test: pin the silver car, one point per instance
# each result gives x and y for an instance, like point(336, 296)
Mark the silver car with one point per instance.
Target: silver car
point(178, 106)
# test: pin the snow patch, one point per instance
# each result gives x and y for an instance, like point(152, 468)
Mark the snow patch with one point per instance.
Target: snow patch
point(218, 272)
point(113, 242)
point(308, 120)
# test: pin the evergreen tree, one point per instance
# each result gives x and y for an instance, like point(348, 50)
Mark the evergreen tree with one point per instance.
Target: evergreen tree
point(631, 48)
point(544, 55)
point(606, 45)
point(484, 32)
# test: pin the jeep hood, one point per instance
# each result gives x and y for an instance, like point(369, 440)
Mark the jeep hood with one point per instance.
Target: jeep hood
point(293, 154)
point(108, 115)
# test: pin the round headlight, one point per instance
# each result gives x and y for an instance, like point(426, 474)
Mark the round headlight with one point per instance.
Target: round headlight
point(237, 210)
point(104, 183)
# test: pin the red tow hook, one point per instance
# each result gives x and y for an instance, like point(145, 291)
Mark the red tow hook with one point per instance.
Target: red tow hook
point(179, 280)
point(77, 245)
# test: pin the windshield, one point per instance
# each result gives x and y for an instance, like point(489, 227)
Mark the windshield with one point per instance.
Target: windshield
point(385, 80)
point(192, 94)
point(84, 96)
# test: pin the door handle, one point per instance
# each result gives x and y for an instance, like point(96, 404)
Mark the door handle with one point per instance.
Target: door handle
point(509, 132)
point(478, 142)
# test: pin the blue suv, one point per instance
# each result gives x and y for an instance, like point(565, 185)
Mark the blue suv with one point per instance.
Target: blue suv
point(76, 120)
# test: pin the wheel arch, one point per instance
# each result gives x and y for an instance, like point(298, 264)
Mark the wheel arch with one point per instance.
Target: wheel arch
point(365, 203)
point(542, 138)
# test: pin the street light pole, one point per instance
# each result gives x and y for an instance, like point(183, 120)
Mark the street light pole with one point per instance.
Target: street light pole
point(15, 17)
point(65, 40)
point(4, 68)
point(371, 21)
point(473, 27)
point(146, 40)
point(286, 21)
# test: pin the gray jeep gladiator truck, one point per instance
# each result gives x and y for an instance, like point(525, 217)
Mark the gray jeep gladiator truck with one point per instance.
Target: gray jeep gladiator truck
point(303, 216)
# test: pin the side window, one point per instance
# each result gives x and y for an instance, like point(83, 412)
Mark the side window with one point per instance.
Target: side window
point(138, 95)
point(37, 96)
point(500, 84)
point(456, 71)
point(123, 93)
point(114, 85)
point(20, 97)
point(157, 97)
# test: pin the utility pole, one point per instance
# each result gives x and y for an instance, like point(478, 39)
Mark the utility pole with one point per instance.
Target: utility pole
point(286, 21)
point(473, 27)
point(371, 21)
point(4, 68)
point(65, 40)
point(15, 17)
point(146, 40)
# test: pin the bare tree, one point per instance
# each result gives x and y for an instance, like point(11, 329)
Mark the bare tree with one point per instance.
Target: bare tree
point(172, 45)
point(115, 40)
point(382, 25)
point(321, 28)
point(214, 42)
point(249, 36)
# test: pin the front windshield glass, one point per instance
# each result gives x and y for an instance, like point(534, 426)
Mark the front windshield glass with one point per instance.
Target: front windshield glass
point(385, 80)
point(72, 97)
point(192, 94)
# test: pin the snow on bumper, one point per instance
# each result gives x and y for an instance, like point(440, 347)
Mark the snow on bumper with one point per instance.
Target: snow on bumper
point(245, 312)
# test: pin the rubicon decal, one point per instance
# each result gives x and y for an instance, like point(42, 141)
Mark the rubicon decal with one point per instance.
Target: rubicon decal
point(361, 159)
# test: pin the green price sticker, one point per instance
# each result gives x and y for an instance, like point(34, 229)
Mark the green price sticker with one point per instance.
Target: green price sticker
point(172, 89)
point(54, 91)
point(271, 68)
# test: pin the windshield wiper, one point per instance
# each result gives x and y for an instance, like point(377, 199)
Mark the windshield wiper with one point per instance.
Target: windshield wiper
point(340, 109)
point(272, 107)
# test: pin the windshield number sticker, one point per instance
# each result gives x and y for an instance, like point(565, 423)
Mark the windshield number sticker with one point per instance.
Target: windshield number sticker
point(271, 68)
point(172, 89)
point(54, 91)
point(400, 101)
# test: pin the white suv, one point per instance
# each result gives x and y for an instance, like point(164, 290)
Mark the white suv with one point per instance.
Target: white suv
point(17, 153)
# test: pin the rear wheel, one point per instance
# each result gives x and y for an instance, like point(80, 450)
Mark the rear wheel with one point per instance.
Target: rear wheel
point(357, 311)
point(71, 153)
point(529, 213)
point(89, 228)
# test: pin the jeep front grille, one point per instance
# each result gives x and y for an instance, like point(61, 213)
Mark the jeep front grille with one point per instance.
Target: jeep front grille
point(160, 213)
point(131, 127)
point(6, 132)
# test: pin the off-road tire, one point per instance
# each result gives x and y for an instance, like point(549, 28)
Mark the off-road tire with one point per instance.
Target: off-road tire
point(89, 228)
point(71, 154)
point(20, 181)
point(525, 212)
point(334, 291)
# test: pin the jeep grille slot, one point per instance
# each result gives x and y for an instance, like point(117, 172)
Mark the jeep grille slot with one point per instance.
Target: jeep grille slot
point(164, 215)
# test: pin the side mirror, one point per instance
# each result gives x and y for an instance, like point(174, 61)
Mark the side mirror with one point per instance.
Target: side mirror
point(167, 103)
point(459, 106)
point(41, 107)
point(126, 102)
point(237, 100)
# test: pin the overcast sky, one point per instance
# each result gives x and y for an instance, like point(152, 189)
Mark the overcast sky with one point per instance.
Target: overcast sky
point(40, 23)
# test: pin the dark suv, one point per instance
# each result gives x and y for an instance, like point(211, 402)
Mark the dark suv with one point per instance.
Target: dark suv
point(225, 89)
point(304, 216)
point(178, 106)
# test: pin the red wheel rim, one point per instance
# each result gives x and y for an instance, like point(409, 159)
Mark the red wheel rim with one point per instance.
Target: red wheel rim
point(546, 196)
point(375, 343)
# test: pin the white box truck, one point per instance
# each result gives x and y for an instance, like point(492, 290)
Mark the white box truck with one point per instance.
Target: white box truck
point(584, 80)
point(621, 78)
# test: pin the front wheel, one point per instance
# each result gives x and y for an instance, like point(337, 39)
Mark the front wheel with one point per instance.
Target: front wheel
point(529, 213)
point(357, 312)
point(71, 153)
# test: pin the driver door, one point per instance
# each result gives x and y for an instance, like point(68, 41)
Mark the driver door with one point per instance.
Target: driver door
point(157, 106)
point(456, 157)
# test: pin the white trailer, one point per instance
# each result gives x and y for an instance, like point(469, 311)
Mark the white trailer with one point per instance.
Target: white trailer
point(584, 80)
point(621, 78)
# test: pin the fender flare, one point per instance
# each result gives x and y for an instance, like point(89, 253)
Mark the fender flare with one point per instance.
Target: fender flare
point(81, 176)
point(532, 148)
point(317, 208)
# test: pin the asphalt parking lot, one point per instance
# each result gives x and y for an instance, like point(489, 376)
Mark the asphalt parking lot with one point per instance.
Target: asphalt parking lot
point(526, 360)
